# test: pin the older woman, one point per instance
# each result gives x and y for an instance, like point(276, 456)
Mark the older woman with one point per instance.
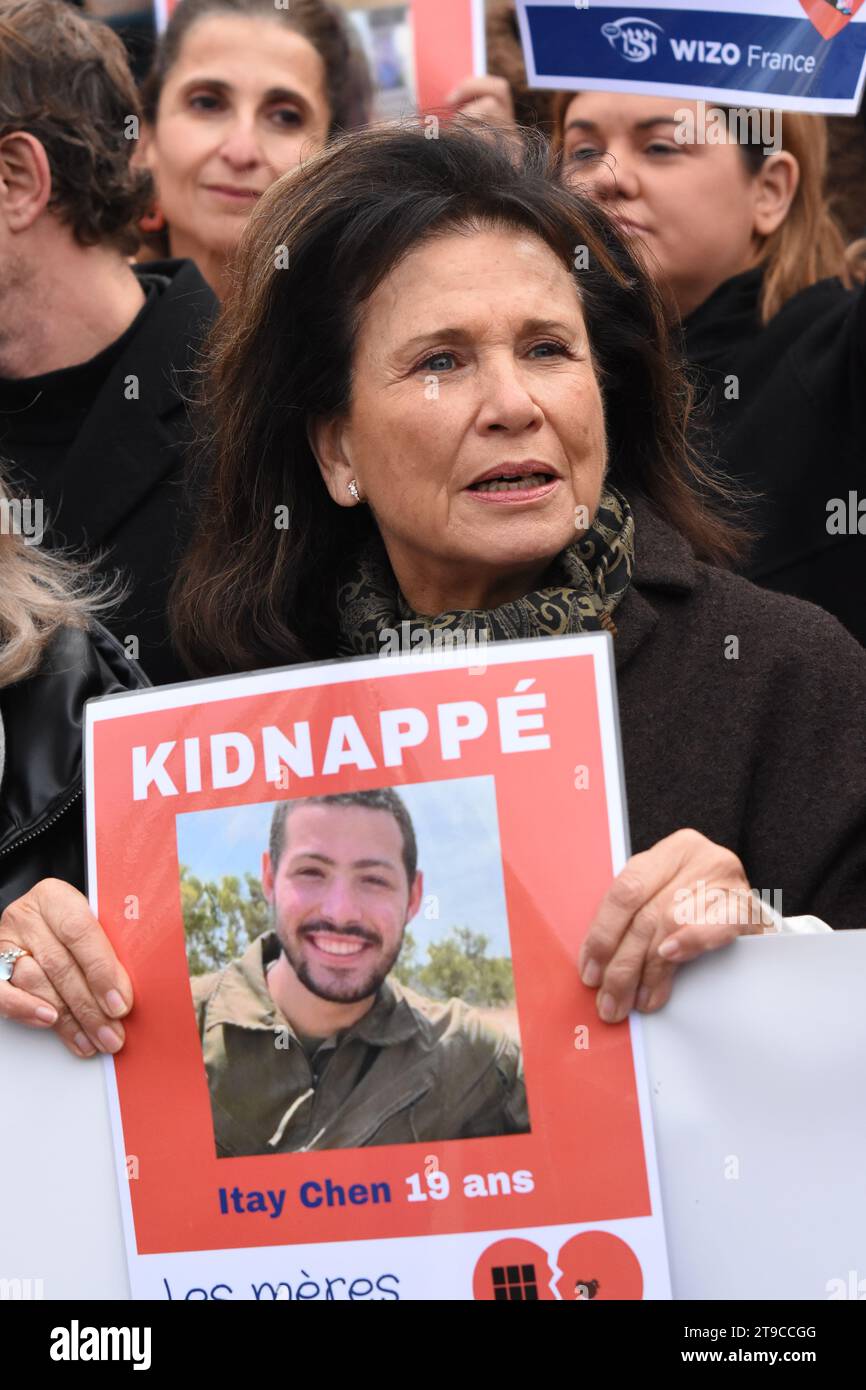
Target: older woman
point(457, 380)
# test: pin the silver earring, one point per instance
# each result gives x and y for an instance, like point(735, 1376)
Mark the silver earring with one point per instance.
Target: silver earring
point(353, 489)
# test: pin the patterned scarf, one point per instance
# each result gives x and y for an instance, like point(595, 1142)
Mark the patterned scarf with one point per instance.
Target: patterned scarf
point(582, 588)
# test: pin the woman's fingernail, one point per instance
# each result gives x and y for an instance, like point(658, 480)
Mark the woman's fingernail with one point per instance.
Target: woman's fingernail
point(109, 1039)
point(607, 1008)
point(644, 995)
point(591, 974)
point(46, 1014)
point(670, 949)
point(84, 1045)
point(115, 1004)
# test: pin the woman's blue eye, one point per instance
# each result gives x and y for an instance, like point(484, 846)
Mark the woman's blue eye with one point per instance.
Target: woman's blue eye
point(440, 358)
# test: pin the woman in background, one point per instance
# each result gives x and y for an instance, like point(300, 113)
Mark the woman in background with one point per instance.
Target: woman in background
point(240, 92)
point(741, 238)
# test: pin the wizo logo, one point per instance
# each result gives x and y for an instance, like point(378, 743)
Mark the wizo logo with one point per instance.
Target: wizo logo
point(634, 39)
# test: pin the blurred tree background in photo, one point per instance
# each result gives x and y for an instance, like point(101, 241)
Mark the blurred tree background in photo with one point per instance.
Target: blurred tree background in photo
point(220, 919)
point(457, 967)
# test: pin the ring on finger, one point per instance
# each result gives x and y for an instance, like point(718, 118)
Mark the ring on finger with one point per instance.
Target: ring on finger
point(9, 959)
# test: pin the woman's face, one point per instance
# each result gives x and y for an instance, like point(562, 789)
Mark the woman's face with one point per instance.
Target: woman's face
point(245, 102)
point(696, 207)
point(472, 363)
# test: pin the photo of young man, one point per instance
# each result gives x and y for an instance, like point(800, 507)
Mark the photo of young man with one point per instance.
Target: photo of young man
point(309, 1041)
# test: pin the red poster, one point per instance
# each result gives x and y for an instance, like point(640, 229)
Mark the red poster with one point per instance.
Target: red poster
point(361, 1060)
point(449, 47)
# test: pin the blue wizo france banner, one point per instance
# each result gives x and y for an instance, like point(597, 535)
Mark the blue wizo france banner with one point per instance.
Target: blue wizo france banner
point(794, 55)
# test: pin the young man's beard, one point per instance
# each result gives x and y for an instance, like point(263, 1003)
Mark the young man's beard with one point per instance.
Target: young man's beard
point(336, 990)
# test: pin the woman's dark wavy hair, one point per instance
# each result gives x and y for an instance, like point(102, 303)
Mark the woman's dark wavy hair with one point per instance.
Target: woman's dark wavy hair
point(253, 594)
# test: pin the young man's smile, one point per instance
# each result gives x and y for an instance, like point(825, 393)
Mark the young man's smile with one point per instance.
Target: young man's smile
point(341, 898)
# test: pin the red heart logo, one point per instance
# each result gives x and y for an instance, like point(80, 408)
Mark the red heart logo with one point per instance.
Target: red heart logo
point(592, 1265)
point(597, 1265)
point(514, 1270)
point(830, 16)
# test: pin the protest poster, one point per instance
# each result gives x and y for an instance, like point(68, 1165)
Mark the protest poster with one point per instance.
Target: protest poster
point(470, 1128)
point(449, 44)
point(791, 55)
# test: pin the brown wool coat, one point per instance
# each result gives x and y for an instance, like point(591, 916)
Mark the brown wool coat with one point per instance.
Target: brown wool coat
point(765, 753)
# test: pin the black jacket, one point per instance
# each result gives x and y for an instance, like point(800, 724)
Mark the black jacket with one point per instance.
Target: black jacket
point(41, 795)
point(792, 426)
point(742, 717)
point(123, 478)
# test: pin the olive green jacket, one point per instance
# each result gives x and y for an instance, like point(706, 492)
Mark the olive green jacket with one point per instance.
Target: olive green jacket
point(410, 1070)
